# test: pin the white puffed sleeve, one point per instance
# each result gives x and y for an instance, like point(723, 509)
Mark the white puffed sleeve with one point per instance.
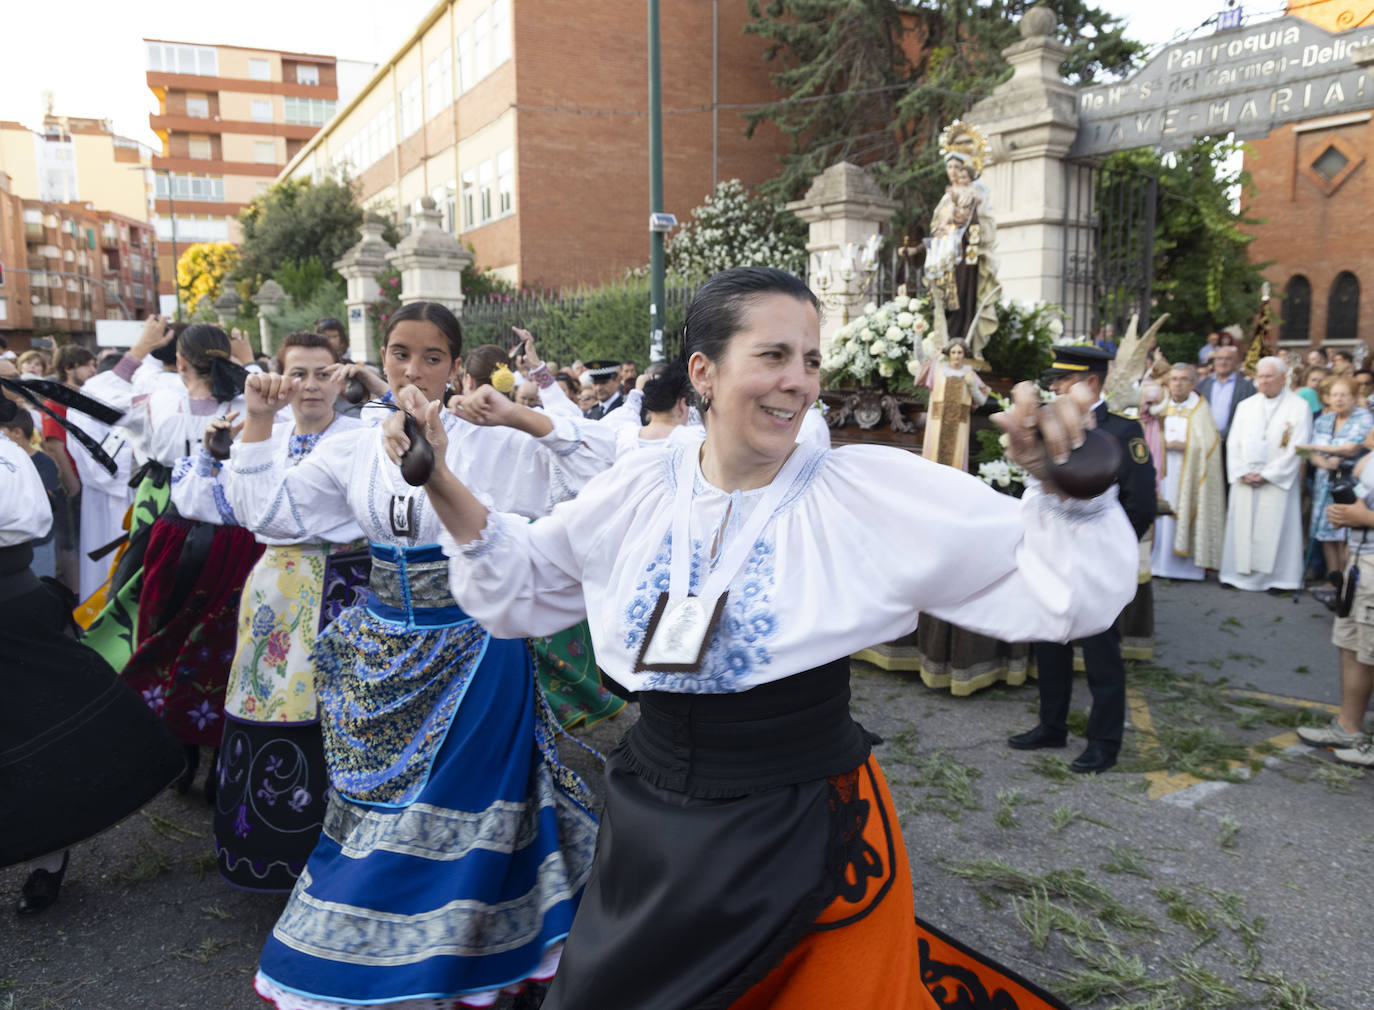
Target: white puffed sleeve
point(517, 473)
point(288, 505)
point(197, 492)
point(524, 579)
point(918, 536)
point(555, 401)
point(25, 513)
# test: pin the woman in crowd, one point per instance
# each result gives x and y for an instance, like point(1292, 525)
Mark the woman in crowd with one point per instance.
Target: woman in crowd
point(455, 846)
point(750, 854)
point(81, 751)
point(1337, 435)
point(662, 394)
point(194, 570)
point(272, 782)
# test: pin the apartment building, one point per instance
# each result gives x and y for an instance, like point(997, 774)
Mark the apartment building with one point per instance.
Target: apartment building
point(77, 160)
point(229, 118)
point(527, 122)
point(65, 265)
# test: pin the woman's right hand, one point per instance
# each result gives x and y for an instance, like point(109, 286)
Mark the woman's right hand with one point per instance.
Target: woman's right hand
point(265, 393)
point(218, 424)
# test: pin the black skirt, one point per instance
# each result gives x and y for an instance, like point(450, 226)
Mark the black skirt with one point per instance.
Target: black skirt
point(79, 750)
point(720, 843)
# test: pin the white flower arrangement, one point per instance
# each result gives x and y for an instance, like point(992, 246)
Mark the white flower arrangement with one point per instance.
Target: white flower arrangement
point(1003, 474)
point(886, 341)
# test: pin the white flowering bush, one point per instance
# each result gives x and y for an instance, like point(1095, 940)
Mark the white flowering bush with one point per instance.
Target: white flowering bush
point(888, 341)
point(1020, 347)
point(732, 229)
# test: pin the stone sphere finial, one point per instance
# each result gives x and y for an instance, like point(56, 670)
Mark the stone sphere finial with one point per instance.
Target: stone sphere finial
point(427, 203)
point(1039, 22)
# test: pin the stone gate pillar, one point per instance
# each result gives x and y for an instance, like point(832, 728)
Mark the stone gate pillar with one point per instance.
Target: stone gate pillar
point(431, 261)
point(1030, 121)
point(359, 268)
point(270, 299)
point(843, 208)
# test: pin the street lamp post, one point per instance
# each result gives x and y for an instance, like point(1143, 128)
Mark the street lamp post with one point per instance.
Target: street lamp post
point(172, 213)
point(656, 264)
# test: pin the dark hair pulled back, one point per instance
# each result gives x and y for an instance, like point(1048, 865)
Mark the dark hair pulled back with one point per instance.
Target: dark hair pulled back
point(715, 314)
point(662, 392)
point(429, 312)
point(483, 360)
point(306, 340)
point(206, 349)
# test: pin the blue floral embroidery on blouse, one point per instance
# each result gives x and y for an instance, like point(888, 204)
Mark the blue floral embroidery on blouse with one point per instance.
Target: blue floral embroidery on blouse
point(738, 647)
point(300, 446)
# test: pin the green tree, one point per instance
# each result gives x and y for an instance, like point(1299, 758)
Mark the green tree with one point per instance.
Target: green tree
point(874, 82)
point(733, 228)
point(297, 220)
point(1203, 276)
point(202, 270)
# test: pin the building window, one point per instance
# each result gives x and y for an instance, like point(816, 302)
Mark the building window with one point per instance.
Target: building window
point(469, 199)
point(500, 32)
point(307, 74)
point(259, 70)
point(1343, 308)
point(486, 175)
point(172, 59)
point(1330, 163)
point(4, 308)
point(310, 111)
point(264, 152)
point(412, 117)
point(505, 182)
point(199, 147)
point(191, 187)
point(439, 83)
point(481, 46)
point(1296, 309)
point(462, 48)
point(262, 110)
point(198, 108)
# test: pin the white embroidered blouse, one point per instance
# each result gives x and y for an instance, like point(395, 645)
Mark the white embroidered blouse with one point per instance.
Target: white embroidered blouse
point(349, 477)
point(864, 540)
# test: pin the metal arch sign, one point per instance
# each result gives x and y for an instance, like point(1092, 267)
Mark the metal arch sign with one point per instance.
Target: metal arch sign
point(1246, 81)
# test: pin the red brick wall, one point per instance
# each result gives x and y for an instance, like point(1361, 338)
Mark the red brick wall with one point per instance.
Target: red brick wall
point(582, 184)
point(1307, 231)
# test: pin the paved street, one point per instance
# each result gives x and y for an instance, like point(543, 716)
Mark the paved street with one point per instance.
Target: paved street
point(1146, 886)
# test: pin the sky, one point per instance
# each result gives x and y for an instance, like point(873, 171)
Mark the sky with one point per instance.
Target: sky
point(96, 68)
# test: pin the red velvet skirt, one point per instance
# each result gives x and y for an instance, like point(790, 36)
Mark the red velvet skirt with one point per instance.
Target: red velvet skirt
point(188, 623)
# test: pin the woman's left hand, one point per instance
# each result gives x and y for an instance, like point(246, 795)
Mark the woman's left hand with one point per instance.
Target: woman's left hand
point(1040, 434)
point(484, 406)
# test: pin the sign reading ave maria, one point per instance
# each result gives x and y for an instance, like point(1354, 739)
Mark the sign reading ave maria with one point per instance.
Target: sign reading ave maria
point(1245, 81)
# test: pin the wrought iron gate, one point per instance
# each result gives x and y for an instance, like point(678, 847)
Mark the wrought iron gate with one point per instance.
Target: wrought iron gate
point(1109, 233)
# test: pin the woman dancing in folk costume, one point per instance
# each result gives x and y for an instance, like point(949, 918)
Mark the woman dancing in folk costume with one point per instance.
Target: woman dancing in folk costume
point(455, 846)
point(194, 571)
point(749, 854)
point(80, 749)
point(272, 781)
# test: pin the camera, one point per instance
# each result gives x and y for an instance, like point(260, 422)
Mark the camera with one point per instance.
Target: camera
point(1343, 483)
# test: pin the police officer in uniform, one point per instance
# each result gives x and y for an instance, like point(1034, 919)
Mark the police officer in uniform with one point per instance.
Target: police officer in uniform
point(1106, 674)
point(606, 384)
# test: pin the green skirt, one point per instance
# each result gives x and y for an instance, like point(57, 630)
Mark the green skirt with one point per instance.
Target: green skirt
point(114, 631)
point(570, 680)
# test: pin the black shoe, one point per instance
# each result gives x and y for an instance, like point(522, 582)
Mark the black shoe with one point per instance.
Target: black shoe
point(212, 780)
point(188, 774)
point(42, 888)
point(1035, 739)
point(1096, 757)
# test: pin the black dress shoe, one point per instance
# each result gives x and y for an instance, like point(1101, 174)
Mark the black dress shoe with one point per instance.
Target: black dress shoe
point(1035, 739)
point(42, 888)
point(1096, 757)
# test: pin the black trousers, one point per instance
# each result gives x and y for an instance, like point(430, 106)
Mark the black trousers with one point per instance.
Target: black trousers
point(1106, 680)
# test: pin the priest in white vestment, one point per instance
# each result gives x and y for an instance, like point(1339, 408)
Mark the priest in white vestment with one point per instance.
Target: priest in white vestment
point(1263, 548)
point(1188, 541)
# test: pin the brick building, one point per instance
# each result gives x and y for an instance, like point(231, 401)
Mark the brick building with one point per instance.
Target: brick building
point(527, 122)
point(1314, 196)
point(229, 119)
point(68, 264)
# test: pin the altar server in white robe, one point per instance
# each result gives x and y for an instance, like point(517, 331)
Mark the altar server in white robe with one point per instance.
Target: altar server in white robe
point(1189, 541)
point(1263, 548)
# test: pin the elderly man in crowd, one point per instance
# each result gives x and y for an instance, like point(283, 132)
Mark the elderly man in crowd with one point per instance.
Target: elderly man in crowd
point(1263, 548)
point(1188, 541)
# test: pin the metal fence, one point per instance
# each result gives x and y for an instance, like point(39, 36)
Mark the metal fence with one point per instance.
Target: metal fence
point(1109, 230)
point(611, 321)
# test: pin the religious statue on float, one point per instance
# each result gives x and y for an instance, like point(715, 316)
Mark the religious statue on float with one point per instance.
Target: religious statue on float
point(958, 264)
point(955, 391)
